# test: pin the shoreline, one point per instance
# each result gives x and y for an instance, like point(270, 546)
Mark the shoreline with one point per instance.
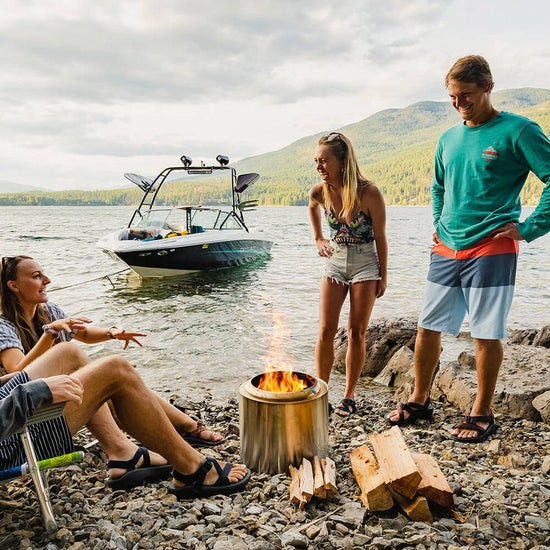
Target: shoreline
point(500, 489)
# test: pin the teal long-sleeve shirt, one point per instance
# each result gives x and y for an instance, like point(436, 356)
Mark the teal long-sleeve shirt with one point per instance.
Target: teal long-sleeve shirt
point(478, 176)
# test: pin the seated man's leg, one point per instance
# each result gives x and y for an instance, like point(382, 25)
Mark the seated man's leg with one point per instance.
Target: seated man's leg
point(67, 358)
point(140, 413)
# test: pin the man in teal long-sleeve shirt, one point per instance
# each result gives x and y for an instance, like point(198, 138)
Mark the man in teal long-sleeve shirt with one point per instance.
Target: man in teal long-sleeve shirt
point(480, 169)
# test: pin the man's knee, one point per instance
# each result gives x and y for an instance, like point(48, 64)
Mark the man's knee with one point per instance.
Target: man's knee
point(115, 370)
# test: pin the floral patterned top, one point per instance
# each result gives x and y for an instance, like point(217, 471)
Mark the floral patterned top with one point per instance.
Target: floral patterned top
point(357, 232)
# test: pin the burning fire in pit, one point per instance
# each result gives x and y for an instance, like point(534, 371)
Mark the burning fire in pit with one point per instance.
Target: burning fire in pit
point(283, 414)
point(278, 375)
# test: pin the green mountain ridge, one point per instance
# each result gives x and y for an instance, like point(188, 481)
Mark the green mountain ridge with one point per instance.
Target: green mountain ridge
point(394, 148)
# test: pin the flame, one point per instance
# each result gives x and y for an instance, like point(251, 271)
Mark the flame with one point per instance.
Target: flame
point(278, 375)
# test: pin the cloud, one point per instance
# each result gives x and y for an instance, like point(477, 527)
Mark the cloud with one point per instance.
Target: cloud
point(102, 87)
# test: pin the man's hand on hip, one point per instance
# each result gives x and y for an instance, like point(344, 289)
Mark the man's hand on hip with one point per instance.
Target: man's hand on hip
point(508, 230)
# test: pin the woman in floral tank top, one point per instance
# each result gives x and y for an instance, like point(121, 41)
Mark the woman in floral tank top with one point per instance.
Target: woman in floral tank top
point(355, 257)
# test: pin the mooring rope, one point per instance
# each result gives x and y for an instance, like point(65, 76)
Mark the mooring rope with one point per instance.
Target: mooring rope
point(91, 280)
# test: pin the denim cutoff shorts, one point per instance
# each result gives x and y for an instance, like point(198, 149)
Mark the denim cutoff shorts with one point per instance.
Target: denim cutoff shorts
point(352, 264)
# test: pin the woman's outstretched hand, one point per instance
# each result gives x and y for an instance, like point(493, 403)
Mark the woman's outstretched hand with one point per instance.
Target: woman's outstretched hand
point(70, 324)
point(121, 334)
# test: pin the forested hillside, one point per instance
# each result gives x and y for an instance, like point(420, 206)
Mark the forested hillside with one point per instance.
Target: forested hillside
point(394, 147)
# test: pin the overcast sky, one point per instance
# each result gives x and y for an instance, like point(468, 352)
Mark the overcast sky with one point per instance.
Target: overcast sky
point(92, 89)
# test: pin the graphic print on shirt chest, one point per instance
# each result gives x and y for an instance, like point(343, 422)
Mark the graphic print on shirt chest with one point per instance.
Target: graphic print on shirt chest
point(489, 154)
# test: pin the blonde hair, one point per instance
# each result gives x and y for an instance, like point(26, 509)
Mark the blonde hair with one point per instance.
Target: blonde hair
point(352, 179)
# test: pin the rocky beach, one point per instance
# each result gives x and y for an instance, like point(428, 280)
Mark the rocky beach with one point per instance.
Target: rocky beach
point(501, 487)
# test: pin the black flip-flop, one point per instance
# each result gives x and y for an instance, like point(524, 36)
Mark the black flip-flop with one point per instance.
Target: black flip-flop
point(469, 423)
point(416, 412)
point(194, 483)
point(136, 476)
point(346, 405)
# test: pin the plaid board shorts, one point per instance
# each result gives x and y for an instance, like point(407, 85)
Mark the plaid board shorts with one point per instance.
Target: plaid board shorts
point(478, 281)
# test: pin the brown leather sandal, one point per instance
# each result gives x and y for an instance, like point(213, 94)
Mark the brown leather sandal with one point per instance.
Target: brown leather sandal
point(470, 423)
point(195, 440)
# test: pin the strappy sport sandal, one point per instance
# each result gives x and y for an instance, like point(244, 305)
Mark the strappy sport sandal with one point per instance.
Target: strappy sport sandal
point(194, 483)
point(470, 423)
point(416, 412)
point(195, 440)
point(136, 476)
point(346, 406)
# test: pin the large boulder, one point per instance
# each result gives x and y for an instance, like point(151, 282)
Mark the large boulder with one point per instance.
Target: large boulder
point(542, 404)
point(531, 337)
point(543, 337)
point(399, 373)
point(382, 340)
point(524, 375)
point(524, 336)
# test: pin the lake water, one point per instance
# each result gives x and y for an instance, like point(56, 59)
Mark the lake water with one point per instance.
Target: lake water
point(214, 330)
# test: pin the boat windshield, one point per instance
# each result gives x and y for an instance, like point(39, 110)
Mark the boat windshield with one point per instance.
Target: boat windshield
point(175, 219)
point(152, 219)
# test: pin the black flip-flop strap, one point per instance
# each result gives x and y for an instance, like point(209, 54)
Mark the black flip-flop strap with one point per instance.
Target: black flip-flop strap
point(130, 465)
point(473, 419)
point(470, 426)
point(196, 478)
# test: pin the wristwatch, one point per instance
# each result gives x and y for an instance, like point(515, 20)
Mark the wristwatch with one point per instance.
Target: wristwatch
point(50, 331)
point(110, 332)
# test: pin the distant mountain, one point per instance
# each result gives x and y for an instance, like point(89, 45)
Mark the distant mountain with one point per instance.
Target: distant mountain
point(11, 187)
point(394, 148)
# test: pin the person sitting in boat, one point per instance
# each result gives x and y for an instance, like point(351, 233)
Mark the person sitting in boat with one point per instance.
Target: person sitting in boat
point(355, 259)
point(26, 313)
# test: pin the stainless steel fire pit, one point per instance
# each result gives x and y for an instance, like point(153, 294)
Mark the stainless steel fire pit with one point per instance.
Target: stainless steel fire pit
point(281, 428)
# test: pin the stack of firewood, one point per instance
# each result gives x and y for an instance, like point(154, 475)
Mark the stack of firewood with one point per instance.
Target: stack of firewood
point(317, 480)
point(397, 474)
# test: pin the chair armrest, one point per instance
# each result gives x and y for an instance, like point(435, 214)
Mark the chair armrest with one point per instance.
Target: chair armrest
point(47, 412)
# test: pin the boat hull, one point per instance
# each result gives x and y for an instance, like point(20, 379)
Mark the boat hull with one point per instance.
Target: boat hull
point(164, 259)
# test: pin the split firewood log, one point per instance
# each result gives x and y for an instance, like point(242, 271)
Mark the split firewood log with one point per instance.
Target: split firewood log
point(318, 479)
point(329, 473)
point(374, 492)
point(306, 479)
point(396, 463)
point(433, 484)
point(295, 492)
point(416, 508)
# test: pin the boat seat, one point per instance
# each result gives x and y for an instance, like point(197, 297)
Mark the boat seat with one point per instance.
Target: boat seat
point(197, 229)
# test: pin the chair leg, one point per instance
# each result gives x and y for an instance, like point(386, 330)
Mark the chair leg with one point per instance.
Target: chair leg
point(39, 483)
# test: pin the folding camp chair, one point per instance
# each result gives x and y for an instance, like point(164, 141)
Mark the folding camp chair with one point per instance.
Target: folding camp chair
point(42, 414)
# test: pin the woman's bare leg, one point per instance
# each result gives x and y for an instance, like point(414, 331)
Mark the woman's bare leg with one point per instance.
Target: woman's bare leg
point(362, 298)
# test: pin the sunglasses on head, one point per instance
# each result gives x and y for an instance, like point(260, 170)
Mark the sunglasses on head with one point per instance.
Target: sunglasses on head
point(333, 136)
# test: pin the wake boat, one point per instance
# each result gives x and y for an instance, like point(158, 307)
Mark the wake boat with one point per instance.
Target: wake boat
point(174, 240)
